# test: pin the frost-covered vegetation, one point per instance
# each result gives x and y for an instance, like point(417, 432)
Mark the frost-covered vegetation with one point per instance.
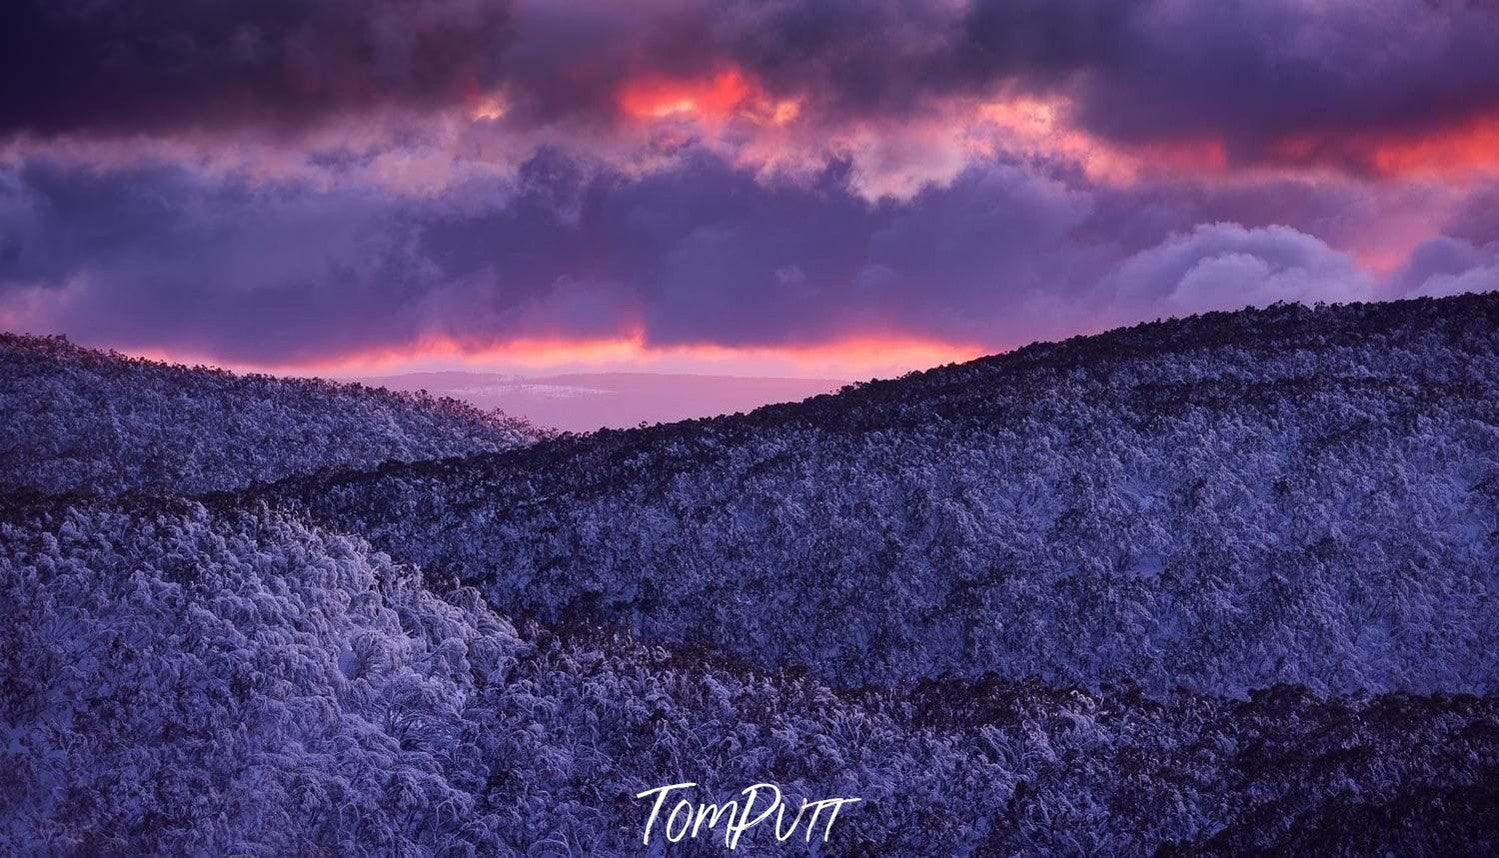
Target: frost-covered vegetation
point(1214, 586)
point(1223, 503)
point(183, 681)
point(76, 419)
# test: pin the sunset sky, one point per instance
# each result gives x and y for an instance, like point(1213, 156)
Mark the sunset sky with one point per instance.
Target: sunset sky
point(828, 189)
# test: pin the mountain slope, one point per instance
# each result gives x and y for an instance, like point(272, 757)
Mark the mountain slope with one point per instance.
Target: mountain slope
point(1220, 503)
point(80, 419)
point(178, 680)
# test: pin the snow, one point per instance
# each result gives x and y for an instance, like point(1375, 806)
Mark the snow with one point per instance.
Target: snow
point(1219, 585)
point(82, 420)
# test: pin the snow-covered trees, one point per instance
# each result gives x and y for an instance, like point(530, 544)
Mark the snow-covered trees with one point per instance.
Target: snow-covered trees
point(1221, 503)
point(83, 420)
point(1214, 586)
point(183, 681)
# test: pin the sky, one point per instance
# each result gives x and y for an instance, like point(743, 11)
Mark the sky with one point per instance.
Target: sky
point(815, 189)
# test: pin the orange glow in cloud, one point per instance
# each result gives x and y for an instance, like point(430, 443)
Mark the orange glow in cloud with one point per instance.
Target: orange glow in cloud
point(1040, 127)
point(784, 111)
point(1037, 127)
point(487, 109)
point(1463, 150)
point(1034, 126)
point(716, 98)
point(1200, 156)
point(1470, 148)
point(850, 357)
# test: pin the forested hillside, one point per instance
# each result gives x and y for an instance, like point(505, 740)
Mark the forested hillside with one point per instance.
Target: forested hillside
point(1211, 586)
point(77, 419)
point(1222, 503)
point(182, 681)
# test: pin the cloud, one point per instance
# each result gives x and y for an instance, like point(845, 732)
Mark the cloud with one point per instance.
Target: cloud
point(1225, 266)
point(1255, 72)
point(1476, 219)
point(705, 252)
point(697, 251)
point(295, 181)
point(1446, 266)
point(116, 67)
point(160, 257)
point(1365, 85)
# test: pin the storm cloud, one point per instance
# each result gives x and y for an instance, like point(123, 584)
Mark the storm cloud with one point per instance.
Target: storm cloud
point(1252, 75)
point(117, 67)
point(702, 252)
point(299, 181)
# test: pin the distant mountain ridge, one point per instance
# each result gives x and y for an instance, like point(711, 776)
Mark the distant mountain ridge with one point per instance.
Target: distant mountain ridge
point(1222, 503)
point(83, 419)
point(583, 402)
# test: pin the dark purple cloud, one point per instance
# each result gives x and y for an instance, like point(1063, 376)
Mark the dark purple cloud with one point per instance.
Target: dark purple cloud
point(1449, 266)
point(1255, 72)
point(168, 190)
point(1245, 73)
point(1250, 74)
point(114, 67)
point(702, 251)
point(158, 258)
point(1477, 219)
